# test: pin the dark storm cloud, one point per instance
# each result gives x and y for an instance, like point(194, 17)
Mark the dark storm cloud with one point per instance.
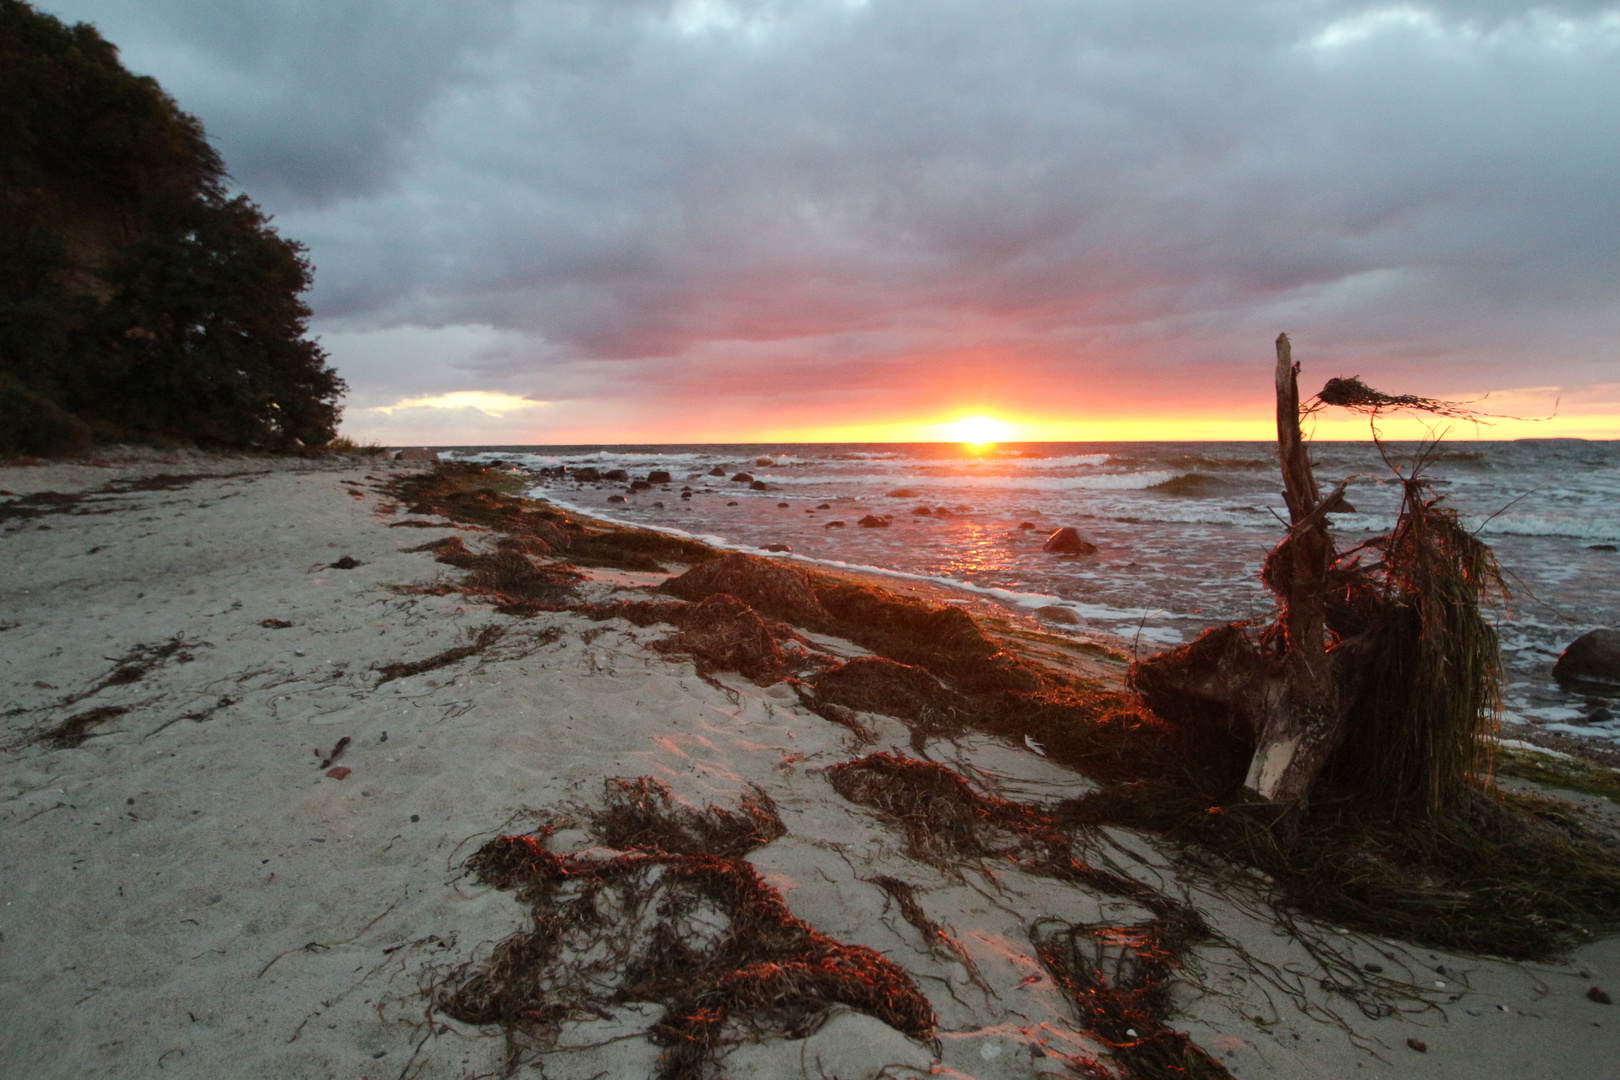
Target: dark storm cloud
point(311, 100)
point(858, 183)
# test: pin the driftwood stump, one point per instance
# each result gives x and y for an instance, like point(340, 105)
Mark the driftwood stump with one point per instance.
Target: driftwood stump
point(1299, 711)
point(1380, 667)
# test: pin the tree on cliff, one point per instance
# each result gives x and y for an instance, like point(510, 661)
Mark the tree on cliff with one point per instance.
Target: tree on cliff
point(136, 297)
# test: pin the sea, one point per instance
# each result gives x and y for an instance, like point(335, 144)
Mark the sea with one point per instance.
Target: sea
point(1181, 529)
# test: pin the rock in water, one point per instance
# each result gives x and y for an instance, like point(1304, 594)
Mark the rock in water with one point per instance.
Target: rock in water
point(417, 453)
point(1594, 657)
point(1067, 541)
point(1057, 613)
point(872, 521)
point(659, 476)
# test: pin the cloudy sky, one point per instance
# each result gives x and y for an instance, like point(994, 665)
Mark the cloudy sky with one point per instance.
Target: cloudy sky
point(719, 220)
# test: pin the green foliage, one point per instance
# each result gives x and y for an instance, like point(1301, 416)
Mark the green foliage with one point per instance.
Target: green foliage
point(133, 292)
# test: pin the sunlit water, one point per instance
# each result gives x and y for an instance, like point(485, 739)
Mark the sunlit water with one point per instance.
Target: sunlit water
point(1181, 528)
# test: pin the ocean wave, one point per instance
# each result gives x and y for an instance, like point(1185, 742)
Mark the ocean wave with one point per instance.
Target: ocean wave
point(1193, 484)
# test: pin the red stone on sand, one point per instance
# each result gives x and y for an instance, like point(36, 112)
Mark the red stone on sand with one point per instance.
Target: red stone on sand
point(338, 772)
point(1419, 1045)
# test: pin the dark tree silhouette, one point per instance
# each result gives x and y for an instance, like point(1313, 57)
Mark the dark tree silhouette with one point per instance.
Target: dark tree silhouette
point(137, 297)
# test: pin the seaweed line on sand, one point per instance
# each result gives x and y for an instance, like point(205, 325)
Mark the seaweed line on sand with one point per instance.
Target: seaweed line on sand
point(679, 918)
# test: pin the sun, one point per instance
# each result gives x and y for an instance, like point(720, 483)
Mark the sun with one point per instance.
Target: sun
point(977, 430)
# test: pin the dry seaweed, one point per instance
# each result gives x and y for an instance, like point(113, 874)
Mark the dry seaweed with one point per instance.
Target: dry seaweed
point(946, 822)
point(471, 494)
point(485, 637)
point(1118, 980)
point(77, 729)
point(641, 814)
point(1357, 396)
point(766, 585)
point(942, 638)
point(939, 940)
point(668, 922)
point(723, 634)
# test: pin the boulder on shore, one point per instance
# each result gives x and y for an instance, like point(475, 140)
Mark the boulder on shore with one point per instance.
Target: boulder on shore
point(659, 476)
point(1067, 541)
point(1594, 657)
point(1057, 613)
point(417, 453)
point(587, 473)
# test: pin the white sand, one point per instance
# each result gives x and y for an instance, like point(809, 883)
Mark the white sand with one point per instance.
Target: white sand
point(188, 895)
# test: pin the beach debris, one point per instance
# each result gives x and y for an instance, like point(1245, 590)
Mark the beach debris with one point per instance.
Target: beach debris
point(1117, 979)
point(939, 939)
point(940, 637)
point(1357, 396)
point(721, 633)
point(1068, 541)
point(1035, 746)
point(339, 772)
point(778, 589)
point(348, 562)
point(1599, 996)
point(679, 918)
point(482, 639)
point(880, 685)
point(275, 624)
point(1593, 658)
point(76, 729)
point(337, 751)
point(1417, 1044)
point(1387, 669)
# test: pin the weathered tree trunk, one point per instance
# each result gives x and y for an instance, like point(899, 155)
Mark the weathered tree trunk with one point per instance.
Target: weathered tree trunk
point(1300, 716)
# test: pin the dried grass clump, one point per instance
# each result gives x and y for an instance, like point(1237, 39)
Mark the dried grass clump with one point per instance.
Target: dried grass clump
point(697, 932)
point(1118, 980)
point(1416, 739)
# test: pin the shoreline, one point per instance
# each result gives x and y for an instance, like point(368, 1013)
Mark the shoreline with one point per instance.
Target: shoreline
point(187, 889)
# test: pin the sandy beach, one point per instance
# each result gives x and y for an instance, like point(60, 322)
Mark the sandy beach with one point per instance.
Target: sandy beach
point(235, 845)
